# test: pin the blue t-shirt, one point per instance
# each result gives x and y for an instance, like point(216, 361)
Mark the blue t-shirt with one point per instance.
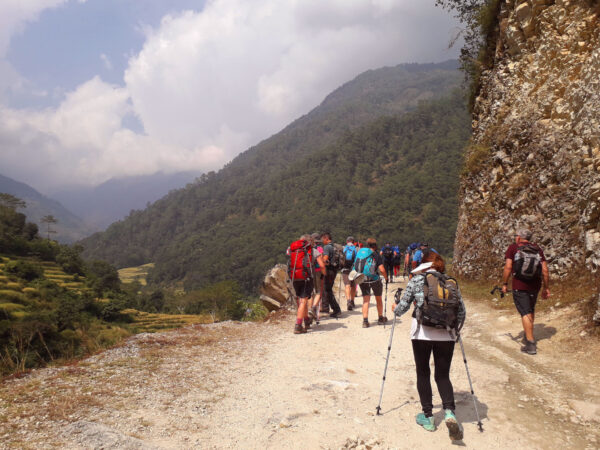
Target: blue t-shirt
point(418, 256)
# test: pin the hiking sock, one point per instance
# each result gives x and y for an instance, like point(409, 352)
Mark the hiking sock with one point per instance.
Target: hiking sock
point(298, 321)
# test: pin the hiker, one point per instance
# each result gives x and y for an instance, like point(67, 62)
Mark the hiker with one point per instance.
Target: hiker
point(397, 259)
point(418, 255)
point(370, 264)
point(300, 262)
point(388, 254)
point(350, 255)
point(317, 301)
point(427, 339)
point(526, 262)
point(330, 273)
point(410, 250)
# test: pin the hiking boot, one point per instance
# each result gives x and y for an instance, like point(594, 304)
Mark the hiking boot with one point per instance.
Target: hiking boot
point(455, 430)
point(298, 329)
point(530, 348)
point(336, 314)
point(382, 320)
point(365, 323)
point(312, 313)
point(425, 422)
point(350, 305)
point(307, 323)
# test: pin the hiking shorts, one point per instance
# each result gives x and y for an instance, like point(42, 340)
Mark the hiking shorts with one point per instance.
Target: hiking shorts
point(375, 286)
point(303, 288)
point(346, 280)
point(525, 301)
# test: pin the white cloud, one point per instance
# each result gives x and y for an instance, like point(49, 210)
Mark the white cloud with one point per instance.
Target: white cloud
point(208, 84)
point(106, 60)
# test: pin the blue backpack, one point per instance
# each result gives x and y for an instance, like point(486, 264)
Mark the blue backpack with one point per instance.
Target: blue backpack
point(350, 254)
point(365, 263)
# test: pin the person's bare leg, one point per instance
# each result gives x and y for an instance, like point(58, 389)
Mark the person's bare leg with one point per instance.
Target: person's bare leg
point(528, 326)
point(302, 309)
point(365, 307)
point(379, 305)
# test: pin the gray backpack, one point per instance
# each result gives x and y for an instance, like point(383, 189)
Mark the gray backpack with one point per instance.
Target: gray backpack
point(527, 263)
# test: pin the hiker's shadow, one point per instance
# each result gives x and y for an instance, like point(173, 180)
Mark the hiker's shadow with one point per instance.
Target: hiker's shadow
point(465, 411)
point(328, 326)
point(540, 331)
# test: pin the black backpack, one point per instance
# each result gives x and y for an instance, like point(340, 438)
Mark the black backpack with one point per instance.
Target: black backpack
point(527, 263)
point(387, 253)
point(442, 302)
point(338, 260)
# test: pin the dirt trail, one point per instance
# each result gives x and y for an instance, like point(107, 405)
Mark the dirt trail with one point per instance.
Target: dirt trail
point(259, 386)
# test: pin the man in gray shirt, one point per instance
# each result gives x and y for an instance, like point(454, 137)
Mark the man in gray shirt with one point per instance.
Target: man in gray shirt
point(330, 276)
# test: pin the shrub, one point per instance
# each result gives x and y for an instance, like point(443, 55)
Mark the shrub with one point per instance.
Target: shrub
point(24, 270)
point(11, 296)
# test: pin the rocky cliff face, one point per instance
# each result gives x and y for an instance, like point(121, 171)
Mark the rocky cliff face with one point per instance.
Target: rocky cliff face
point(534, 159)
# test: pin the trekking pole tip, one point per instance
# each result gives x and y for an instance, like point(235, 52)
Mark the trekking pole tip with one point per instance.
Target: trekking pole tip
point(378, 409)
point(480, 426)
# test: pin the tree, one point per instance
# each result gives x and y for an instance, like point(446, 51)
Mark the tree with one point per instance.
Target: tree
point(10, 201)
point(49, 220)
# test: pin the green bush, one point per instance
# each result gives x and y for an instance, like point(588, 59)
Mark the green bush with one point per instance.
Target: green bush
point(11, 296)
point(24, 270)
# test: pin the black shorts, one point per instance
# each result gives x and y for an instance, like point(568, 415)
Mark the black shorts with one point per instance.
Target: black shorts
point(375, 286)
point(303, 288)
point(525, 301)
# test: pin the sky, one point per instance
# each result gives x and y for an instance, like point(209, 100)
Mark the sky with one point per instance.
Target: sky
point(95, 89)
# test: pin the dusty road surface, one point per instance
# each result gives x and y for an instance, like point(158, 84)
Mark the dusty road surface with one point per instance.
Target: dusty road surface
point(256, 386)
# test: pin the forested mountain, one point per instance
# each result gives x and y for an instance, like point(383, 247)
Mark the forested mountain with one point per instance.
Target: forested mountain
point(355, 165)
point(102, 205)
point(69, 228)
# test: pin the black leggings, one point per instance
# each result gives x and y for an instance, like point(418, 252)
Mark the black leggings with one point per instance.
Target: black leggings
point(442, 358)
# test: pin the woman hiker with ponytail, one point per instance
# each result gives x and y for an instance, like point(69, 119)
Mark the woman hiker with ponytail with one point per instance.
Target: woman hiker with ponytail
point(427, 340)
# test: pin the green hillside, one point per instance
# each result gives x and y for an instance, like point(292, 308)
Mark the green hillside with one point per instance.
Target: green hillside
point(68, 228)
point(394, 177)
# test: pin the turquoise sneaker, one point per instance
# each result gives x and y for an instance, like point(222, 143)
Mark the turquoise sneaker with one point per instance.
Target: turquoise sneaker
point(455, 430)
point(425, 422)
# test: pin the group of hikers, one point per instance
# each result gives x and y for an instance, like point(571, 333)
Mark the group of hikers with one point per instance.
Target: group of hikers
point(439, 311)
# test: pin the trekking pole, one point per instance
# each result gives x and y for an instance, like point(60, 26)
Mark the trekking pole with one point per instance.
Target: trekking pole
point(479, 424)
point(378, 409)
point(385, 305)
point(340, 287)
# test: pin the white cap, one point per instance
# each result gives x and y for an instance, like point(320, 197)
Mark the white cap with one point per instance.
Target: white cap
point(423, 267)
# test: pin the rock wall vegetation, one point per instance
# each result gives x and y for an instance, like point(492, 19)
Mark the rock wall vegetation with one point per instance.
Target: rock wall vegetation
point(534, 158)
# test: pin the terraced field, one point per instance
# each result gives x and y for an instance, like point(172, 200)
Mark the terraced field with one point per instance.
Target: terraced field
point(139, 273)
point(144, 322)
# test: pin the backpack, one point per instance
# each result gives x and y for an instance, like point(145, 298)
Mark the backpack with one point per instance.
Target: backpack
point(338, 260)
point(442, 302)
point(349, 256)
point(365, 263)
point(300, 262)
point(527, 263)
point(387, 253)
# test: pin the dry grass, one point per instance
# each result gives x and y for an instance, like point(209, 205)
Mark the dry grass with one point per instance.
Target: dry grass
point(149, 323)
point(139, 273)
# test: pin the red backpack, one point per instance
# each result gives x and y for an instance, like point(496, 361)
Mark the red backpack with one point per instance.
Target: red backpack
point(300, 260)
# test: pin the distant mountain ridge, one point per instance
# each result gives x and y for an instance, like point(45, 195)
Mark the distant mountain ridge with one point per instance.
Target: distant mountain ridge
point(353, 164)
point(69, 228)
point(112, 200)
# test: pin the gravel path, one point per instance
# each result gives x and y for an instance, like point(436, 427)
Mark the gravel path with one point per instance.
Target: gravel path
point(246, 385)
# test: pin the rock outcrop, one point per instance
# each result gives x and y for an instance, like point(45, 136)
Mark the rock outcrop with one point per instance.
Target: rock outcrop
point(276, 289)
point(534, 159)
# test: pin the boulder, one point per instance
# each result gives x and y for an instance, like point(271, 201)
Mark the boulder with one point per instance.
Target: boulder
point(276, 289)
